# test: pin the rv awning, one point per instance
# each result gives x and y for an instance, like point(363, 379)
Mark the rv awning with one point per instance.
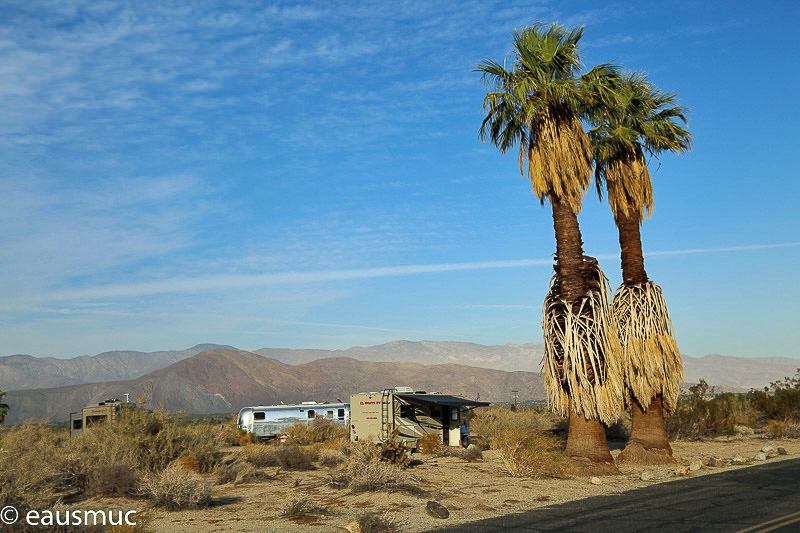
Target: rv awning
point(443, 399)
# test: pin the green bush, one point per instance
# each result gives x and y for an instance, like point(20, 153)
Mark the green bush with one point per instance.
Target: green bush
point(697, 416)
point(780, 401)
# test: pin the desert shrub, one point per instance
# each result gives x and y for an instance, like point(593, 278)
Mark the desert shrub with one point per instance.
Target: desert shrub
point(363, 474)
point(779, 401)
point(29, 474)
point(302, 507)
point(174, 488)
point(777, 429)
point(233, 436)
point(289, 456)
point(331, 457)
point(696, 417)
point(371, 522)
point(39, 465)
point(532, 454)
point(489, 422)
point(430, 443)
point(395, 451)
point(320, 430)
point(471, 453)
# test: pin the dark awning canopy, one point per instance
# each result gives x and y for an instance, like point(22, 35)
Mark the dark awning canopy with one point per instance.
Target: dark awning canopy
point(443, 399)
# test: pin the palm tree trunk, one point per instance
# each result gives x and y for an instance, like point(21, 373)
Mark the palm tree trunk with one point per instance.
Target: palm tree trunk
point(586, 439)
point(569, 252)
point(630, 245)
point(648, 429)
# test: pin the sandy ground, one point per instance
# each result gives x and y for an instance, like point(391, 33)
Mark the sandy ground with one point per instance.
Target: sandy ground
point(470, 491)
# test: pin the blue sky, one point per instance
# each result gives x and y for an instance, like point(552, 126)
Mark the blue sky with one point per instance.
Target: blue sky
point(310, 175)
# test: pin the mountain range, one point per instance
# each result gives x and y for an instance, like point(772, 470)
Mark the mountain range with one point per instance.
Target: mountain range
point(224, 380)
point(218, 378)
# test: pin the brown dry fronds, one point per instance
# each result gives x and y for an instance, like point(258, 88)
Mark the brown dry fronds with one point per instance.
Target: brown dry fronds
point(650, 357)
point(630, 191)
point(636, 454)
point(582, 355)
point(559, 158)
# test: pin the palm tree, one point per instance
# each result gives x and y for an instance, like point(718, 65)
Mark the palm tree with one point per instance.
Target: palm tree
point(538, 104)
point(640, 120)
point(3, 407)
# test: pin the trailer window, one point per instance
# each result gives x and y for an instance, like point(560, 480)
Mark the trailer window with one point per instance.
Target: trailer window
point(341, 414)
point(329, 414)
point(259, 415)
point(77, 424)
point(311, 413)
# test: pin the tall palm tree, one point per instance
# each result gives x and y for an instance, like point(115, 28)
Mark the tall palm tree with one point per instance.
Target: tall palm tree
point(3, 407)
point(640, 120)
point(538, 104)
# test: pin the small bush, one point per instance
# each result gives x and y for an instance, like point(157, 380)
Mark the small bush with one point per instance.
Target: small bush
point(395, 451)
point(291, 456)
point(176, 489)
point(329, 457)
point(233, 436)
point(430, 443)
point(373, 475)
point(320, 430)
point(696, 417)
point(371, 522)
point(302, 507)
point(536, 455)
point(489, 422)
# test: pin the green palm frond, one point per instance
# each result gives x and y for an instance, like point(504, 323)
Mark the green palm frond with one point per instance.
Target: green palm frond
point(633, 118)
point(536, 102)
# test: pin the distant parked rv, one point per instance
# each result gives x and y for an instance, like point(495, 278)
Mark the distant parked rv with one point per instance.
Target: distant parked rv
point(411, 414)
point(268, 421)
point(103, 412)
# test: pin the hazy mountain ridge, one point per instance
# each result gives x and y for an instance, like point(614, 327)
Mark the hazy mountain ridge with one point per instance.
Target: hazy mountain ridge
point(19, 371)
point(225, 380)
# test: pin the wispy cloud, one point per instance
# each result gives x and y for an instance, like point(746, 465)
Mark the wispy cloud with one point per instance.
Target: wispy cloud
point(221, 283)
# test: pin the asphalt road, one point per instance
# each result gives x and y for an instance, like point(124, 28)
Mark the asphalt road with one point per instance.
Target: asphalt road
point(755, 499)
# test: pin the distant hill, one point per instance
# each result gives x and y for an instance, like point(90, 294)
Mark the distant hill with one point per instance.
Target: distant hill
point(28, 372)
point(506, 357)
point(743, 372)
point(19, 372)
point(223, 380)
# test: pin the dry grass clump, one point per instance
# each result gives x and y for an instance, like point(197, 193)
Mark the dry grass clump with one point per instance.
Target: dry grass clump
point(471, 453)
point(291, 456)
point(430, 444)
point(233, 436)
point(395, 451)
point(298, 508)
point(362, 473)
point(536, 455)
point(371, 522)
point(321, 430)
point(487, 422)
point(174, 488)
point(331, 457)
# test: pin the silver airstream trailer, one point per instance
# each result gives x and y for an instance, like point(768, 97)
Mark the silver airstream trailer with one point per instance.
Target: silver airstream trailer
point(268, 421)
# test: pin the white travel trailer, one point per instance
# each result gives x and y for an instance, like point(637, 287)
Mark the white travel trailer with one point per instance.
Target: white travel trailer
point(268, 421)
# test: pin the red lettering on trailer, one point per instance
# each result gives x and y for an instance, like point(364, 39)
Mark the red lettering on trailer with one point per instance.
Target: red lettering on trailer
point(372, 418)
point(369, 403)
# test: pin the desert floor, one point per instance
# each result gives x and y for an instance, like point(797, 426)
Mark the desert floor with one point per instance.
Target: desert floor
point(470, 491)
